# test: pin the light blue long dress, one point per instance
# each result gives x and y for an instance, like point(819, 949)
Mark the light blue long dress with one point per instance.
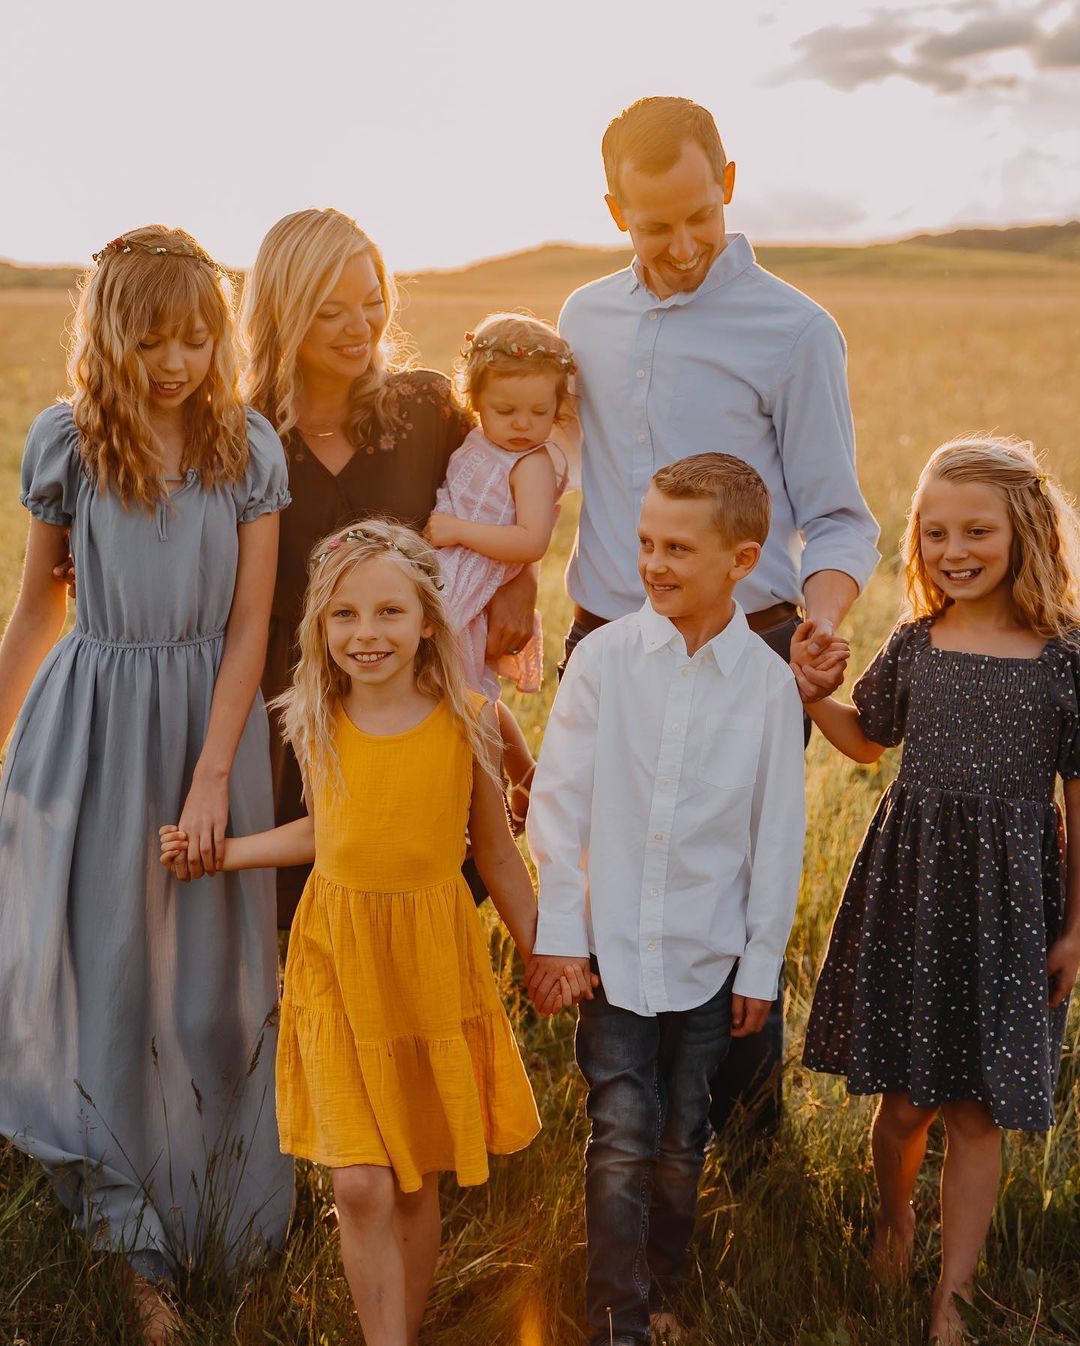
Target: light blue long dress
point(138, 1015)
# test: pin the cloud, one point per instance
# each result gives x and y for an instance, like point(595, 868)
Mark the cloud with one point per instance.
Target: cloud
point(905, 45)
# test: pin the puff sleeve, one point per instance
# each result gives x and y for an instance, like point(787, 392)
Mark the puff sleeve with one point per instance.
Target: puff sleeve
point(51, 467)
point(881, 693)
point(265, 488)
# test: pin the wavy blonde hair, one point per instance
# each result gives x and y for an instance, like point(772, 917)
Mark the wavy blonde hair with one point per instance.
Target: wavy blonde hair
point(489, 349)
point(299, 262)
point(123, 299)
point(309, 707)
point(1046, 532)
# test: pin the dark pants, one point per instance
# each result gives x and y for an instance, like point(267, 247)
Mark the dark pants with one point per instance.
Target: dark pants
point(648, 1103)
point(752, 1077)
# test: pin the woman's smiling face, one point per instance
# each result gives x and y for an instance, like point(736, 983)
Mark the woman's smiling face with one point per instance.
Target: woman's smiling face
point(347, 326)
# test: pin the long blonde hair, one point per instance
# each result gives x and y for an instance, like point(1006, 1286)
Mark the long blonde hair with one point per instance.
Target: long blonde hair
point(309, 706)
point(127, 295)
point(1045, 558)
point(299, 262)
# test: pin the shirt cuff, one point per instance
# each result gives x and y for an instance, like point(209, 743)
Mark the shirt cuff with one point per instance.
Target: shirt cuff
point(562, 934)
point(758, 975)
point(855, 557)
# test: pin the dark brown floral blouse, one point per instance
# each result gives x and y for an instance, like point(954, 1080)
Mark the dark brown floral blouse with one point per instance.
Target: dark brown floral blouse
point(397, 476)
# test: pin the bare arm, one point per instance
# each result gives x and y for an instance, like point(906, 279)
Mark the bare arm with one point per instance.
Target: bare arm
point(532, 484)
point(206, 809)
point(499, 860)
point(36, 620)
point(829, 595)
point(290, 844)
point(510, 613)
point(1063, 956)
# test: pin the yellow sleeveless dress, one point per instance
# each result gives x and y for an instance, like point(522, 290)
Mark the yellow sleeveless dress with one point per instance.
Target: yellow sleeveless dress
point(394, 1046)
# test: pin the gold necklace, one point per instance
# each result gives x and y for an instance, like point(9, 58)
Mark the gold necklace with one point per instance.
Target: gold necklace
point(318, 434)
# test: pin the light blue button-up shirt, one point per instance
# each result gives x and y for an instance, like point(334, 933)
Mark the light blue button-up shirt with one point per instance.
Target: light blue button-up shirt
point(745, 364)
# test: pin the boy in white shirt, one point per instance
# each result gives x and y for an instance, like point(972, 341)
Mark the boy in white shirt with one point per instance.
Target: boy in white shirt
point(666, 824)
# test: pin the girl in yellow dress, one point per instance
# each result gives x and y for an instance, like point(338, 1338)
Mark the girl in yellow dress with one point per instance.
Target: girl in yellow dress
point(396, 1060)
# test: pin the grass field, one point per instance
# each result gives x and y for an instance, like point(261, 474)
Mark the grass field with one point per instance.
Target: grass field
point(940, 343)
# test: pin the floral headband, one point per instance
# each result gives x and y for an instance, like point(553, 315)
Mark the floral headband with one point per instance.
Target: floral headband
point(489, 347)
point(428, 564)
point(180, 249)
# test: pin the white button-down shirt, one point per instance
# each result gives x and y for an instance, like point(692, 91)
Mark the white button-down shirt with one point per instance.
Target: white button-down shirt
point(745, 364)
point(667, 814)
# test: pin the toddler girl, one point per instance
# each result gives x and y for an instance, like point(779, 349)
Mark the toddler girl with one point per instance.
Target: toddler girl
point(130, 1017)
point(497, 508)
point(957, 941)
point(396, 1059)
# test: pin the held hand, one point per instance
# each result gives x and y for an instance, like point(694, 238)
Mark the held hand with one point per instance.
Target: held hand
point(555, 983)
point(510, 615)
point(174, 845)
point(818, 661)
point(1062, 963)
point(204, 817)
point(65, 572)
point(441, 530)
point(748, 1015)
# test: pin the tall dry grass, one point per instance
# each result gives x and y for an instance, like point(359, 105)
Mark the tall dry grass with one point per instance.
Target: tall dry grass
point(935, 349)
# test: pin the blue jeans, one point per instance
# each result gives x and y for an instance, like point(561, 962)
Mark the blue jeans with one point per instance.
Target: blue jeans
point(648, 1103)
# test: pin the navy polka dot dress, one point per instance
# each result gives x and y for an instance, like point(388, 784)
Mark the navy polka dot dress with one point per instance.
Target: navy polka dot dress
point(934, 983)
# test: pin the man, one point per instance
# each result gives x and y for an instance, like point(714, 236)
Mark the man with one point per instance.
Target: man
point(695, 347)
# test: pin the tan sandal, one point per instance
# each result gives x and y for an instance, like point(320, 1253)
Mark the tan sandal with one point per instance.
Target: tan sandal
point(520, 794)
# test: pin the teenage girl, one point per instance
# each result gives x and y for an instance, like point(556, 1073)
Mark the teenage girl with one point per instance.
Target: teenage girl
point(131, 1016)
point(497, 508)
point(396, 1060)
point(957, 942)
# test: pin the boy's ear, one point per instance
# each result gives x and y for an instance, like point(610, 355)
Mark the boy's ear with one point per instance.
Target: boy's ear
point(616, 213)
point(747, 555)
point(729, 181)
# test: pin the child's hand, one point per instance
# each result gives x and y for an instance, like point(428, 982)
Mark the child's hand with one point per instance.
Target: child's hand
point(818, 660)
point(555, 983)
point(441, 530)
point(1062, 963)
point(174, 845)
point(748, 1015)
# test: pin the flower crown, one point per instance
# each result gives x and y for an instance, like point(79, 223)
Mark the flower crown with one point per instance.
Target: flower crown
point(428, 564)
point(489, 347)
point(179, 249)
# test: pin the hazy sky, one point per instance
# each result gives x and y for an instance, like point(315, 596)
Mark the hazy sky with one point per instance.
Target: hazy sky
point(453, 131)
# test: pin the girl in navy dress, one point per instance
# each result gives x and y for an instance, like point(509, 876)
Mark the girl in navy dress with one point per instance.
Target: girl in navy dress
point(946, 981)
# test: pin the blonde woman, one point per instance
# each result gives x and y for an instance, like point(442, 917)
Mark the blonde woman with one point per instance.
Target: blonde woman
point(397, 1061)
point(364, 433)
point(137, 1061)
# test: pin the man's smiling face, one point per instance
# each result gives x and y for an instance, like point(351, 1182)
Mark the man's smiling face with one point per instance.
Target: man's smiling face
point(675, 219)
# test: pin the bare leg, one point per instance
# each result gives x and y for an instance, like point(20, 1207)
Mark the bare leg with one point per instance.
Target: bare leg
point(898, 1144)
point(970, 1177)
point(517, 761)
point(159, 1322)
point(366, 1200)
point(418, 1230)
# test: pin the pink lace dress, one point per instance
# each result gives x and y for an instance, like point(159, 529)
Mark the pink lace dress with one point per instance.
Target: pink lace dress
point(477, 488)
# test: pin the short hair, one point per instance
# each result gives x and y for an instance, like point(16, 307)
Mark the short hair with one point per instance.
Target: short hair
point(741, 505)
point(650, 135)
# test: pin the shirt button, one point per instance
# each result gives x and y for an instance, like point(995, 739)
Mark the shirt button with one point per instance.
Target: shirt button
point(652, 945)
point(640, 440)
point(641, 373)
point(654, 315)
point(665, 780)
point(654, 892)
point(676, 726)
point(658, 836)
point(685, 673)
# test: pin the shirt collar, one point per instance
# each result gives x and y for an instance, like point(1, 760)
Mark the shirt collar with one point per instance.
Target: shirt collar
point(737, 256)
point(657, 632)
